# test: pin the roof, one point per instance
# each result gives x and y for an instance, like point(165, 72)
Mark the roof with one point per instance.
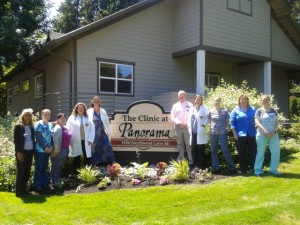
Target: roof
point(280, 11)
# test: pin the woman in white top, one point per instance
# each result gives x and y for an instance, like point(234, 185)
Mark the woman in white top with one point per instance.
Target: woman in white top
point(197, 128)
point(83, 132)
point(102, 151)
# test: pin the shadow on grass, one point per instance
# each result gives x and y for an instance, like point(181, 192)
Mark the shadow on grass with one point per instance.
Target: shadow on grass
point(283, 175)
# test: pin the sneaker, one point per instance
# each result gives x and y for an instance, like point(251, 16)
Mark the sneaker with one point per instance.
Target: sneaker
point(275, 172)
point(258, 172)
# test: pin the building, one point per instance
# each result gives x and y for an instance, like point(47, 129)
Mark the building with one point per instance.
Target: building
point(153, 49)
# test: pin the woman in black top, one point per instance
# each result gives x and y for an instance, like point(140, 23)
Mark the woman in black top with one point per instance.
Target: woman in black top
point(24, 146)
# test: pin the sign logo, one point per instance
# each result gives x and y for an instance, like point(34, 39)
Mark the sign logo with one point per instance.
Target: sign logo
point(145, 126)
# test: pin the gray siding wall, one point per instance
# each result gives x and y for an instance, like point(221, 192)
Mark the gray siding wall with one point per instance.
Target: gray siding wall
point(253, 74)
point(223, 65)
point(280, 89)
point(227, 29)
point(56, 75)
point(146, 40)
point(186, 26)
point(283, 49)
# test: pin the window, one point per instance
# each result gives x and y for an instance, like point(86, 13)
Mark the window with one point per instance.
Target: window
point(26, 85)
point(9, 97)
point(17, 89)
point(212, 80)
point(39, 86)
point(242, 6)
point(116, 78)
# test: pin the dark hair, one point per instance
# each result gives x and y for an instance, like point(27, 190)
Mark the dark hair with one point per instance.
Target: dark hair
point(242, 97)
point(60, 115)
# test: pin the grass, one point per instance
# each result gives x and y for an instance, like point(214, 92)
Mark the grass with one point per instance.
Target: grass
point(237, 200)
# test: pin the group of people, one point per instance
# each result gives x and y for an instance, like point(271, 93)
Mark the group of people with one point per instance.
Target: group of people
point(86, 132)
point(253, 130)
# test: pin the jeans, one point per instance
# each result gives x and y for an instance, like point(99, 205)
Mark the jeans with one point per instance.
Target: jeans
point(23, 172)
point(57, 163)
point(274, 146)
point(183, 143)
point(246, 147)
point(214, 140)
point(41, 177)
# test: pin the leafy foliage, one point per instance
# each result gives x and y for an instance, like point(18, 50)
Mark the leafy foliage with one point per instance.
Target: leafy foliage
point(113, 170)
point(77, 13)
point(7, 173)
point(140, 170)
point(88, 175)
point(22, 25)
point(181, 173)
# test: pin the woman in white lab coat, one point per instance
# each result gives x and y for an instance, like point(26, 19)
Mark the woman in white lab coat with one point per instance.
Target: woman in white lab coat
point(83, 133)
point(197, 128)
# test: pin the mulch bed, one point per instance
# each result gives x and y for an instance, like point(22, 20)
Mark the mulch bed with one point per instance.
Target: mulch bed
point(73, 186)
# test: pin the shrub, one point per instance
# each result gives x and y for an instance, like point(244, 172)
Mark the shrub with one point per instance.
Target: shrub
point(113, 170)
point(88, 175)
point(140, 170)
point(181, 172)
point(7, 173)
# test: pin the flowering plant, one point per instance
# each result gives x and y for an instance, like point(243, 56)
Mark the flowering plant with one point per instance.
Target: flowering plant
point(160, 168)
point(136, 182)
point(164, 180)
point(113, 170)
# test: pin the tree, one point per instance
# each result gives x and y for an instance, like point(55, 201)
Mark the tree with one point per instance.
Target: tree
point(68, 17)
point(73, 14)
point(22, 25)
point(295, 5)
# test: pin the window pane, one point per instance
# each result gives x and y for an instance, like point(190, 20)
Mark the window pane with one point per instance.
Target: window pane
point(26, 86)
point(17, 89)
point(124, 86)
point(107, 70)
point(125, 71)
point(107, 85)
point(39, 86)
point(214, 81)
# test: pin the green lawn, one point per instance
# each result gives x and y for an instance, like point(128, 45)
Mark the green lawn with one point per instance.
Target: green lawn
point(237, 200)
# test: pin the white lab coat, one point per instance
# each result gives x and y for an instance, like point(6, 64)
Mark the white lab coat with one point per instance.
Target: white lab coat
point(73, 125)
point(202, 120)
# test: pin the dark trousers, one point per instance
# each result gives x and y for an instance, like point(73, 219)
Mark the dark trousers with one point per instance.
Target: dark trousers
point(246, 147)
point(76, 160)
point(198, 152)
point(23, 173)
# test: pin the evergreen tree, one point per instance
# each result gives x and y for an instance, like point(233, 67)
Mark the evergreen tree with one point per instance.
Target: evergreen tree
point(68, 17)
point(22, 25)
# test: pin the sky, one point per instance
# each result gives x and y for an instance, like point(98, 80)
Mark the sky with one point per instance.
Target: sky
point(56, 4)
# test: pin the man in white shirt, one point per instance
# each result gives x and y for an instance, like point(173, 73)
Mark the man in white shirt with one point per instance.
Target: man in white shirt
point(179, 115)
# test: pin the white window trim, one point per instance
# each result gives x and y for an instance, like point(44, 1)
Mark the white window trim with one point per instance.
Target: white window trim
point(116, 79)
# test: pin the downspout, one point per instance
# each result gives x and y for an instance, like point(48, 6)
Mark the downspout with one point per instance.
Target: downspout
point(71, 103)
